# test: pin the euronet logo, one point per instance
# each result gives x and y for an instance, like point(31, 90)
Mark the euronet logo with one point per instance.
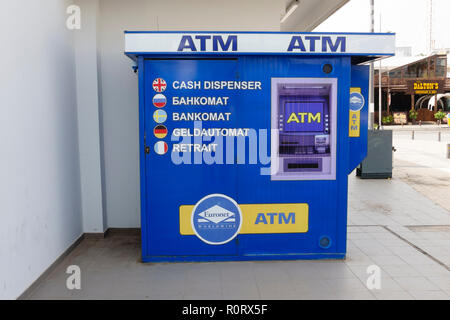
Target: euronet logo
point(216, 214)
point(355, 100)
point(212, 223)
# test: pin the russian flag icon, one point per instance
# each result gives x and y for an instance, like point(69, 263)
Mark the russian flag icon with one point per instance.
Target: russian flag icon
point(159, 100)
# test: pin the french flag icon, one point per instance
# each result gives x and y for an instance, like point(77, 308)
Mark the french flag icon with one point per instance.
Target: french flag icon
point(159, 100)
point(161, 147)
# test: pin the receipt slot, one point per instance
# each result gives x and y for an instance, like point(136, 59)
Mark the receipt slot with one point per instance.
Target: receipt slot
point(247, 140)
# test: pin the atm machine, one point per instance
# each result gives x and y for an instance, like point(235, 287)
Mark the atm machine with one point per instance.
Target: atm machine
point(304, 116)
point(278, 191)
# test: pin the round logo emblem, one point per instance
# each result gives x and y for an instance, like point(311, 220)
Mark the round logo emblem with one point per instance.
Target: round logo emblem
point(216, 219)
point(160, 131)
point(160, 116)
point(159, 85)
point(159, 100)
point(161, 147)
point(356, 101)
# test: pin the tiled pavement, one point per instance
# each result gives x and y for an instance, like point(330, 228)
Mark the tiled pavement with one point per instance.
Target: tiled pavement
point(392, 224)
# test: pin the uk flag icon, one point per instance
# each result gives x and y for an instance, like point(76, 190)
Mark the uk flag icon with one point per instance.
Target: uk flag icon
point(159, 85)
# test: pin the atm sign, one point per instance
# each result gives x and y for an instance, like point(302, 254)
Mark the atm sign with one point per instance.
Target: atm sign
point(261, 218)
point(302, 117)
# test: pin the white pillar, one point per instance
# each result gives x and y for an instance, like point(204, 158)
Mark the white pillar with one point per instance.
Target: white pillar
point(94, 220)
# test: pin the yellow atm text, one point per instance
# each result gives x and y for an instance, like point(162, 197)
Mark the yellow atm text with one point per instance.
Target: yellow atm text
point(302, 117)
point(354, 124)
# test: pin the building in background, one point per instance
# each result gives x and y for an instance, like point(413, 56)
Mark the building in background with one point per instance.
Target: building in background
point(419, 83)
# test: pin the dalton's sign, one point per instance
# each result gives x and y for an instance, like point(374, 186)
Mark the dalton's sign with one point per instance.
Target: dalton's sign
point(376, 44)
point(425, 86)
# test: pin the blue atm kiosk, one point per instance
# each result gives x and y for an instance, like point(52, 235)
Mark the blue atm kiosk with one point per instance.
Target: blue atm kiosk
point(247, 140)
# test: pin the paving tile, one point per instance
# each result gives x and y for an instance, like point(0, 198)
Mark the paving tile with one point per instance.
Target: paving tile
point(203, 295)
point(433, 236)
point(442, 283)
point(390, 284)
point(354, 295)
point(306, 286)
point(269, 273)
point(416, 284)
point(392, 242)
point(387, 260)
point(335, 271)
point(417, 259)
point(401, 271)
point(374, 229)
point(432, 270)
point(359, 236)
point(314, 295)
point(392, 295)
point(360, 271)
point(404, 250)
point(278, 292)
point(429, 295)
point(348, 284)
point(373, 248)
point(409, 235)
point(355, 229)
point(241, 295)
point(360, 259)
point(56, 290)
point(444, 258)
point(426, 243)
point(156, 296)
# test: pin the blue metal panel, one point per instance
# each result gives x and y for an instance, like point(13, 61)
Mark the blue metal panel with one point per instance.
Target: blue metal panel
point(171, 184)
point(322, 196)
point(142, 166)
point(358, 145)
point(165, 185)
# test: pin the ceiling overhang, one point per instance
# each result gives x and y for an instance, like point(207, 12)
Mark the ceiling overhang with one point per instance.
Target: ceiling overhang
point(310, 13)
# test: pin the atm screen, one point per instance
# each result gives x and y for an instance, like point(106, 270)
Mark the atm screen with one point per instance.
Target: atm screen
point(303, 116)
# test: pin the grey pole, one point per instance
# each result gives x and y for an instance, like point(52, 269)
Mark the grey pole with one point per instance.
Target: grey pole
point(371, 82)
point(380, 92)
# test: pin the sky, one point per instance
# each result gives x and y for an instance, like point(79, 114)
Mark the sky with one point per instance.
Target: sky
point(407, 18)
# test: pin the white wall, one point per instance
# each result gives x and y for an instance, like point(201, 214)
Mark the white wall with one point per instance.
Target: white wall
point(119, 85)
point(40, 214)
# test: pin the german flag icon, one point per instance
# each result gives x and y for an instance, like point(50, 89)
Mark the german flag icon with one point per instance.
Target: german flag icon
point(160, 131)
